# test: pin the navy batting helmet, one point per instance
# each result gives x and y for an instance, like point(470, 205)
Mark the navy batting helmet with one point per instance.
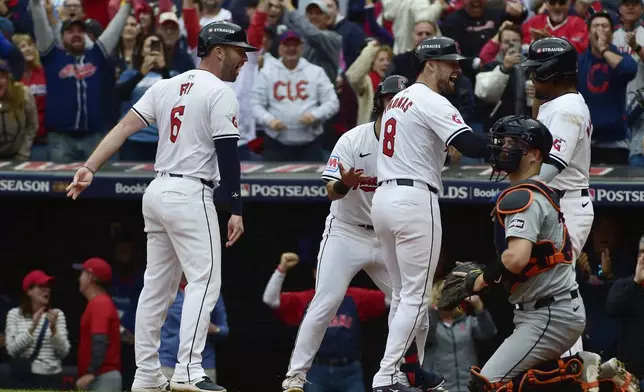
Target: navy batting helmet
point(222, 33)
point(438, 48)
point(390, 86)
point(549, 57)
point(527, 133)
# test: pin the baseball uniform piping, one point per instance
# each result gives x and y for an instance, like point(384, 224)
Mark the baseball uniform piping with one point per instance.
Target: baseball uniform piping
point(316, 278)
point(194, 336)
point(431, 252)
point(533, 346)
point(140, 116)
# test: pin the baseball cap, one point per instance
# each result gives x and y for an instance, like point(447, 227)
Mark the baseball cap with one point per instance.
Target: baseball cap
point(168, 17)
point(321, 4)
point(35, 278)
point(290, 35)
point(97, 267)
point(71, 22)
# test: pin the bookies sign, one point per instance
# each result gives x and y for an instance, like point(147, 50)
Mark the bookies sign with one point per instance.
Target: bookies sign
point(293, 182)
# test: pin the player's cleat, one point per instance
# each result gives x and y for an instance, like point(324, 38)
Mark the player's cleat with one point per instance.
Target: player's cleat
point(203, 385)
point(590, 369)
point(293, 384)
point(161, 388)
point(397, 387)
point(422, 379)
point(615, 370)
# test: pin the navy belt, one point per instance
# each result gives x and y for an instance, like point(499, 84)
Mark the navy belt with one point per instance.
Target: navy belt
point(334, 362)
point(584, 192)
point(205, 182)
point(545, 302)
point(408, 182)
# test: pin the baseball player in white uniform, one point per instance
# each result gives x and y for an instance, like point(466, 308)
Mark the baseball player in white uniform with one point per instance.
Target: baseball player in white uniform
point(552, 64)
point(349, 243)
point(417, 127)
point(196, 113)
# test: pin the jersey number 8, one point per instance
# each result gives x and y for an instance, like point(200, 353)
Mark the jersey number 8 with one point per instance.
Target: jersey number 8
point(175, 122)
point(389, 137)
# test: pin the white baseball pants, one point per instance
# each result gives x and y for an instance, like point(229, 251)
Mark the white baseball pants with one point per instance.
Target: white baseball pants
point(579, 215)
point(408, 224)
point(183, 236)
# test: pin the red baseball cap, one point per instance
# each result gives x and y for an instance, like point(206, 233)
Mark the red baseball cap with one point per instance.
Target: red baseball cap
point(36, 278)
point(97, 267)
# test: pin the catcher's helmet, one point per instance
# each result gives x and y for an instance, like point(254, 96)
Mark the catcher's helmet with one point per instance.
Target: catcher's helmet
point(550, 57)
point(438, 48)
point(390, 86)
point(222, 33)
point(527, 133)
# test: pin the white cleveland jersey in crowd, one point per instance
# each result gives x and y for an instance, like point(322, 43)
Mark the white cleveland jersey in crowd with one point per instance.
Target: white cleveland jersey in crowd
point(568, 119)
point(356, 149)
point(192, 110)
point(417, 126)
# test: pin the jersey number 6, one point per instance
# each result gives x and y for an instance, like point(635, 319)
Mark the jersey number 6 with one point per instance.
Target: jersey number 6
point(389, 137)
point(175, 122)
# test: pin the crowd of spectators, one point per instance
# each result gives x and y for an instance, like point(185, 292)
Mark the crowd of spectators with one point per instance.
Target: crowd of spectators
point(69, 69)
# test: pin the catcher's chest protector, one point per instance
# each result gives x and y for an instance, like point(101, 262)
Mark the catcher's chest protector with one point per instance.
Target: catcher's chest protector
point(545, 254)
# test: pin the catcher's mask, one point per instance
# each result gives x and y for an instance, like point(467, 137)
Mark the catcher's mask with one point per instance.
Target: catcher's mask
point(512, 138)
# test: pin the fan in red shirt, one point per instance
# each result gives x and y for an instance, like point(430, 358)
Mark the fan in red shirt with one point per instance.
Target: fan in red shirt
point(99, 347)
point(557, 23)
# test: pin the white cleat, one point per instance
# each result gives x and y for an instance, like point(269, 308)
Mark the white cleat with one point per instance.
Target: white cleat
point(590, 369)
point(161, 388)
point(615, 370)
point(293, 384)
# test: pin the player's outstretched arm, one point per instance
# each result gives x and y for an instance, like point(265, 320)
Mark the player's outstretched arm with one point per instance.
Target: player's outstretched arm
point(110, 144)
point(549, 172)
point(472, 145)
point(337, 189)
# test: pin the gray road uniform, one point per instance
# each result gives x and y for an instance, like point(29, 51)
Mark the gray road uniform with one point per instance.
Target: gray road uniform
point(549, 313)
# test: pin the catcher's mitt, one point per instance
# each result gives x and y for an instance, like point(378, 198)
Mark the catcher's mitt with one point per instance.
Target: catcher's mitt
point(459, 284)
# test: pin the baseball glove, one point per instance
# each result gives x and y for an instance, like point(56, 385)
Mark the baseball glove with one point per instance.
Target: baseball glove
point(459, 284)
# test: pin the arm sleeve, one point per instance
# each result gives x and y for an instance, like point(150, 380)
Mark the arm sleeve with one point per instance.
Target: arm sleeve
point(627, 68)
point(191, 23)
point(273, 288)
point(446, 121)
point(16, 340)
point(327, 98)
point(293, 305)
point(31, 126)
point(230, 171)
point(378, 31)
point(60, 341)
point(259, 99)
point(483, 327)
point(144, 107)
point(526, 224)
point(342, 153)
point(619, 302)
point(220, 319)
point(124, 87)
point(357, 74)
point(566, 130)
point(256, 28)
point(110, 37)
point(370, 303)
point(473, 145)
point(549, 172)
point(489, 51)
point(491, 85)
point(42, 30)
point(99, 349)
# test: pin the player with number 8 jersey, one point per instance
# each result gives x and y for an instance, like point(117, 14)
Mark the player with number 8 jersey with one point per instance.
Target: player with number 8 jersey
point(418, 125)
point(196, 114)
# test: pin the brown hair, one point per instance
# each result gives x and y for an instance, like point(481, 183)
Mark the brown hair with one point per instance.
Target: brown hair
point(16, 95)
point(19, 39)
point(510, 27)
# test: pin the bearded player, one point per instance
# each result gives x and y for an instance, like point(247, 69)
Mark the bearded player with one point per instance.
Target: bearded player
point(349, 242)
point(552, 66)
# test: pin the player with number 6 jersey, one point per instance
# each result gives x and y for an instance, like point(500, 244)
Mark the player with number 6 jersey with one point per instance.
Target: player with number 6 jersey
point(196, 113)
point(552, 66)
point(418, 125)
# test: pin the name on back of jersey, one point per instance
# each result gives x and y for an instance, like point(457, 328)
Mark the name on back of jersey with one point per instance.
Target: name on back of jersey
point(402, 103)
